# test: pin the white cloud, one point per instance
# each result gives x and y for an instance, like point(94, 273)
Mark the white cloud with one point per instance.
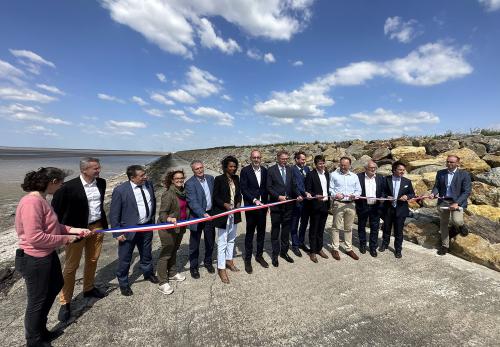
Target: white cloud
point(182, 96)
point(269, 58)
point(265, 138)
point(490, 5)
point(172, 25)
point(298, 63)
point(51, 89)
point(154, 112)
point(161, 99)
point(254, 54)
point(210, 39)
point(314, 123)
point(31, 60)
point(24, 94)
point(107, 97)
point(126, 124)
point(202, 83)
point(428, 65)
point(402, 31)
point(226, 97)
point(382, 117)
point(182, 116)
point(22, 112)
point(10, 73)
point(139, 101)
point(39, 130)
point(180, 135)
point(161, 77)
point(223, 118)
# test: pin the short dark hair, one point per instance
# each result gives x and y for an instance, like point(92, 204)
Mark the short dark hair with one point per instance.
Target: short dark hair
point(396, 164)
point(319, 158)
point(39, 180)
point(132, 170)
point(169, 177)
point(281, 152)
point(345, 158)
point(298, 154)
point(229, 159)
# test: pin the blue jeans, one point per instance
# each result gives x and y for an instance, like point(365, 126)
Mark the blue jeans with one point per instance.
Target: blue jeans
point(225, 242)
point(300, 213)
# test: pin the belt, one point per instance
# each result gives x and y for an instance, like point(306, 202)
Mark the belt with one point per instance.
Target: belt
point(345, 202)
point(95, 222)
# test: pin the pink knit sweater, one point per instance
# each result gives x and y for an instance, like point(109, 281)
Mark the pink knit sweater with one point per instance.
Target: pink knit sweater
point(37, 227)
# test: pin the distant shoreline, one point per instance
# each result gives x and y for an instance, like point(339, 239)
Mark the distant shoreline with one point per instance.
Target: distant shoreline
point(30, 152)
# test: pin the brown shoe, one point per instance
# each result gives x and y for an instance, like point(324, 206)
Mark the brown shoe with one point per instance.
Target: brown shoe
point(230, 265)
point(223, 276)
point(352, 255)
point(322, 254)
point(335, 255)
point(313, 257)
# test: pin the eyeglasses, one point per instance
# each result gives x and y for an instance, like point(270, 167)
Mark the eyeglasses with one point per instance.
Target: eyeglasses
point(451, 162)
point(256, 157)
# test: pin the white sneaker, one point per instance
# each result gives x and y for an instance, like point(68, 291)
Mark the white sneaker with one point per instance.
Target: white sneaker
point(166, 289)
point(177, 278)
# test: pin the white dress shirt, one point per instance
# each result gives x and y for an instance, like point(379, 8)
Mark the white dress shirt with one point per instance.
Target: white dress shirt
point(93, 198)
point(324, 185)
point(449, 191)
point(204, 184)
point(370, 189)
point(143, 218)
point(258, 175)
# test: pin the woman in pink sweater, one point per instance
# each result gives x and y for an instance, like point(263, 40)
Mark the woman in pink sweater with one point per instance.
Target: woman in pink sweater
point(39, 234)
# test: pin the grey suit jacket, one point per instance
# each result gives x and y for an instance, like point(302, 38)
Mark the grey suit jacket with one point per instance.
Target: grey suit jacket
point(196, 199)
point(460, 186)
point(123, 211)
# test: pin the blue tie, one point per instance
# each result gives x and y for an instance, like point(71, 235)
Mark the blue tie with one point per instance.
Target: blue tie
point(283, 174)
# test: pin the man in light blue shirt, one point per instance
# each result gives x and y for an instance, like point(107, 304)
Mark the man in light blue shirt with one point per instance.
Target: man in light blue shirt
point(344, 187)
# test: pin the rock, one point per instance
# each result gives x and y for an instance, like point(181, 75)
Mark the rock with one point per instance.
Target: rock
point(483, 227)
point(429, 202)
point(476, 249)
point(478, 148)
point(426, 169)
point(469, 160)
point(490, 212)
point(381, 153)
point(492, 177)
point(439, 146)
point(429, 178)
point(492, 160)
point(419, 186)
point(415, 164)
point(385, 161)
point(384, 170)
point(484, 194)
point(334, 153)
point(423, 232)
point(401, 142)
point(359, 165)
point(357, 149)
point(408, 153)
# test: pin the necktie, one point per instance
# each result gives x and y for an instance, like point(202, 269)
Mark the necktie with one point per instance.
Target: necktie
point(145, 201)
point(302, 171)
point(395, 191)
point(283, 174)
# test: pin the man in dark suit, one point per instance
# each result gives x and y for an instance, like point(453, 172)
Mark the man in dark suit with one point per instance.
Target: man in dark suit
point(80, 203)
point(400, 189)
point(300, 170)
point(317, 185)
point(372, 185)
point(199, 191)
point(453, 186)
point(281, 186)
point(253, 180)
point(133, 203)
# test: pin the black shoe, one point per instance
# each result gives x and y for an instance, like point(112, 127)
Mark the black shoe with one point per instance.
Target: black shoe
point(296, 251)
point(373, 253)
point(40, 343)
point(362, 249)
point(194, 273)
point(210, 268)
point(305, 248)
point(94, 293)
point(398, 254)
point(126, 291)
point(49, 336)
point(382, 248)
point(64, 313)
point(248, 267)
point(464, 231)
point(262, 262)
point(152, 279)
point(275, 262)
point(286, 257)
point(442, 250)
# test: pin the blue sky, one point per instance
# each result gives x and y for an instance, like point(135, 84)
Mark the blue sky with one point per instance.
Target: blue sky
point(179, 74)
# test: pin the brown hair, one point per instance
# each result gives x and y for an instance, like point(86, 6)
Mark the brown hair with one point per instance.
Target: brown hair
point(169, 177)
point(40, 179)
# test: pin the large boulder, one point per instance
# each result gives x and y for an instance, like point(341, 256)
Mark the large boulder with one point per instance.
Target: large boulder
point(483, 227)
point(439, 146)
point(334, 153)
point(407, 154)
point(415, 164)
point(423, 232)
point(359, 165)
point(384, 170)
point(401, 142)
point(418, 184)
point(469, 160)
point(381, 153)
point(490, 212)
point(491, 177)
point(427, 169)
point(492, 160)
point(476, 249)
point(429, 178)
point(357, 149)
point(484, 194)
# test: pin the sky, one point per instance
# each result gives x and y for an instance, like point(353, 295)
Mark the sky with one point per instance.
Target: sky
point(168, 75)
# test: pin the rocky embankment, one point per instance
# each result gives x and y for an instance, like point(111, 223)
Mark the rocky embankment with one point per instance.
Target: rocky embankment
point(480, 155)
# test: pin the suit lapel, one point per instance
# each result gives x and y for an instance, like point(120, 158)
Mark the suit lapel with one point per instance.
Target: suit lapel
point(130, 193)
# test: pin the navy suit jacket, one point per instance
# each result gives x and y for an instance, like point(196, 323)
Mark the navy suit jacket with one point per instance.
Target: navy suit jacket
point(460, 186)
point(250, 186)
point(361, 204)
point(196, 199)
point(123, 211)
point(276, 186)
point(405, 188)
point(300, 179)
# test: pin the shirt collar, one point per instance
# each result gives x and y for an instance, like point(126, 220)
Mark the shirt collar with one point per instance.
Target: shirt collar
point(202, 180)
point(256, 169)
point(85, 182)
point(396, 178)
point(133, 185)
point(346, 174)
point(366, 176)
point(452, 172)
